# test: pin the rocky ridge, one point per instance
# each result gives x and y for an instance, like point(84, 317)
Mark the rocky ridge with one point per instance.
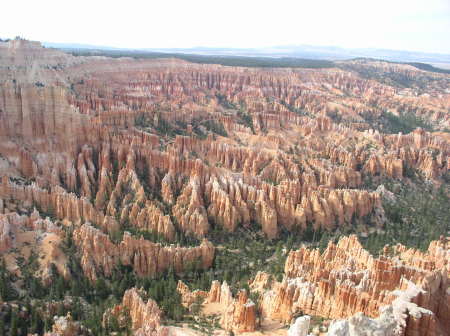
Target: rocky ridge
point(98, 252)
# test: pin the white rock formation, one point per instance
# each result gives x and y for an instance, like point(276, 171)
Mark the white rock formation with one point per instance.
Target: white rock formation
point(361, 325)
point(300, 327)
point(392, 319)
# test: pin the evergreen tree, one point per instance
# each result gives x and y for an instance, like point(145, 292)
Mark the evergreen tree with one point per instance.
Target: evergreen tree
point(23, 327)
point(48, 324)
point(14, 323)
point(2, 326)
point(101, 289)
point(36, 324)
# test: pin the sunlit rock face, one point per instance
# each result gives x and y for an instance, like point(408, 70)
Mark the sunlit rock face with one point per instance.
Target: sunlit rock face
point(237, 314)
point(404, 291)
point(145, 316)
point(300, 327)
point(65, 326)
point(145, 257)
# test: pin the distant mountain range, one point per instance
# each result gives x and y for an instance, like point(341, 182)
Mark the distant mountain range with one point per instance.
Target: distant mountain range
point(300, 51)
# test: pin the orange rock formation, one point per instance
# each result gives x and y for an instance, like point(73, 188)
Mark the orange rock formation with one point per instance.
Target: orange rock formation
point(345, 279)
point(147, 258)
point(146, 317)
point(239, 314)
point(176, 149)
point(90, 128)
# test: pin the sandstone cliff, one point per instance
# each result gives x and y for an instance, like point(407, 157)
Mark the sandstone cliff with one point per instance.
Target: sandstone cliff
point(237, 314)
point(100, 254)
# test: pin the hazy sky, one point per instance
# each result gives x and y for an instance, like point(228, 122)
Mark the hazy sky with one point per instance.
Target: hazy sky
point(418, 25)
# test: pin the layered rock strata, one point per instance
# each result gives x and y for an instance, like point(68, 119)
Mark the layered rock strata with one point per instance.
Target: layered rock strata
point(345, 280)
point(100, 255)
point(238, 314)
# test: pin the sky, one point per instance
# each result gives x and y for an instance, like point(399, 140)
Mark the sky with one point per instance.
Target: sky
point(416, 25)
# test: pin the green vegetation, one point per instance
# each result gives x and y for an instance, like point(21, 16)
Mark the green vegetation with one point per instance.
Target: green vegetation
point(405, 123)
point(7, 291)
point(418, 215)
point(392, 124)
point(222, 100)
point(162, 127)
point(244, 61)
point(170, 130)
point(394, 78)
point(120, 325)
point(241, 254)
point(209, 125)
point(294, 109)
point(428, 67)
point(164, 291)
point(19, 316)
point(246, 119)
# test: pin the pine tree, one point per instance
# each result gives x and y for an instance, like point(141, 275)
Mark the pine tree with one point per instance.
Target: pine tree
point(3, 288)
point(101, 289)
point(14, 323)
point(34, 322)
point(48, 324)
point(2, 326)
point(24, 328)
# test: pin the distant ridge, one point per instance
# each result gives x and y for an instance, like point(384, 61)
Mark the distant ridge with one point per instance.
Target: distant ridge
point(302, 51)
point(77, 46)
point(244, 61)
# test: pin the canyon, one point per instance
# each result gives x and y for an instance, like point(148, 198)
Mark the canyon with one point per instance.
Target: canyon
point(140, 164)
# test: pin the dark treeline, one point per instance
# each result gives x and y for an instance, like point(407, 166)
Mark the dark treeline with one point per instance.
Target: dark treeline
point(428, 67)
point(245, 61)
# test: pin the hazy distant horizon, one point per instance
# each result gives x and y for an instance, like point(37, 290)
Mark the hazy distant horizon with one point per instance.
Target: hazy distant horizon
point(317, 52)
point(60, 44)
point(330, 53)
point(410, 25)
